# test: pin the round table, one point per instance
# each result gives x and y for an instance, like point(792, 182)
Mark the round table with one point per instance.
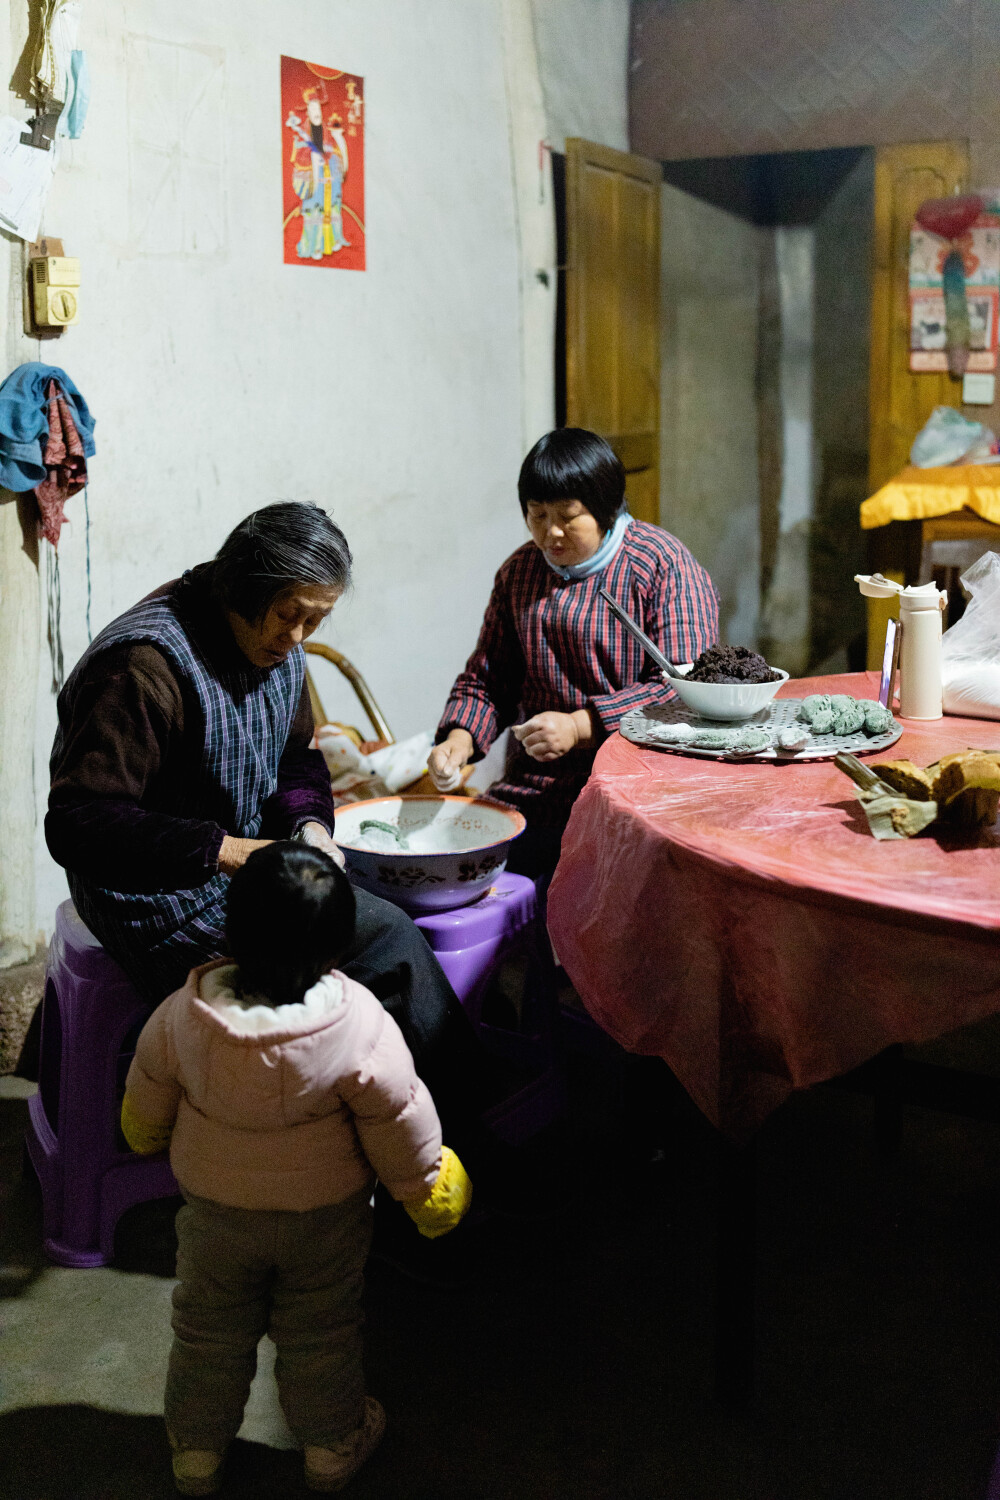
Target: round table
point(740, 921)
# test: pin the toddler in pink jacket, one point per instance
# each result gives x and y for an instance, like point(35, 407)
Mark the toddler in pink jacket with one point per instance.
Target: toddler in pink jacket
point(284, 1089)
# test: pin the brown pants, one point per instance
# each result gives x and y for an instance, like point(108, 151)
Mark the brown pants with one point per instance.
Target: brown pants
point(247, 1272)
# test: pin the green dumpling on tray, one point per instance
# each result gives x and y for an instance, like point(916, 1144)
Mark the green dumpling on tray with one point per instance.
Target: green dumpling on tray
point(839, 713)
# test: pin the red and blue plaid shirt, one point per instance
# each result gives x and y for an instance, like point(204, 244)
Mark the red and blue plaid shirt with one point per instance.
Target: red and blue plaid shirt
point(550, 644)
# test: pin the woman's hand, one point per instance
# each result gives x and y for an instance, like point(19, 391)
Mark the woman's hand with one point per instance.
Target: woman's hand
point(316, 836)
point(446, 760)
point(551, 735)
point(234, 853)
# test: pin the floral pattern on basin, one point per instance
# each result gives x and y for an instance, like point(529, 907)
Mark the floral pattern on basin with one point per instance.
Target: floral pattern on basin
point(485, 866)
point(409, 876)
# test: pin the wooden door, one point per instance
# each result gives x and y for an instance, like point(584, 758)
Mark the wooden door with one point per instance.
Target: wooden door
point(613, 310)
point(901, 402)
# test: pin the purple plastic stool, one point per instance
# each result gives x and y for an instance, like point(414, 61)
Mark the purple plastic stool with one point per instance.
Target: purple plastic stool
point(88, 1179)
point(470, 943)
point(993, 1493)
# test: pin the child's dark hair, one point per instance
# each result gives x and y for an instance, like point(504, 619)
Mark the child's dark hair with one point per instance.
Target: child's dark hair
point(290, 917)
point(574, 464)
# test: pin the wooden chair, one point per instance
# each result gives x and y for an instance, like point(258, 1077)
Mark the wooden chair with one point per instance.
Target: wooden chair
point(382, 733)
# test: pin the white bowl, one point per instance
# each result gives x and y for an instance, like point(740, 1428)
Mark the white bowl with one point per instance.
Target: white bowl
point(725, 700)
point(457, 849)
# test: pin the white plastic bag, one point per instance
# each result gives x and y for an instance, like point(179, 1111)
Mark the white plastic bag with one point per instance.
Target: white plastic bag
point(946, 437)
point(401, 764)
point(383, 773)
point(970, 650)
point(347, 766)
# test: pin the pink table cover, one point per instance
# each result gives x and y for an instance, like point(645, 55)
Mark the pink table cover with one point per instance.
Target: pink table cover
point(740, 921)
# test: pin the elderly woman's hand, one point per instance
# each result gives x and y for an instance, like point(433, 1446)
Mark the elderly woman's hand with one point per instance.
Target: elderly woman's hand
point(551, 735)
point(316, 836)
point(234, 853)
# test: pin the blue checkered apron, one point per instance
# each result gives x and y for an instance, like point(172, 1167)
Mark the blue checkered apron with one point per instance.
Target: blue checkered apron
point(239, 720)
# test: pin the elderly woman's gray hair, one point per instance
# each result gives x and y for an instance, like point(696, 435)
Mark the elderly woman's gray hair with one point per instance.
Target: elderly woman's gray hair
point(278, 548)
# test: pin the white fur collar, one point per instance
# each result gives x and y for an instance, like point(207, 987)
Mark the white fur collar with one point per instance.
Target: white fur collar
point(249, 1018)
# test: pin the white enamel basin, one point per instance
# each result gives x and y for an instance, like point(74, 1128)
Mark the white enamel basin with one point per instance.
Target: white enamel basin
point(457, 849)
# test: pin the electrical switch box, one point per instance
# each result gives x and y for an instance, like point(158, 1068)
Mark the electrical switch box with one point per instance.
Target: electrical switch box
point(55, 289)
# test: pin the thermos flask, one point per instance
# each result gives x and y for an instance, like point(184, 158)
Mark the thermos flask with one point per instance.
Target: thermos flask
point(920, 607)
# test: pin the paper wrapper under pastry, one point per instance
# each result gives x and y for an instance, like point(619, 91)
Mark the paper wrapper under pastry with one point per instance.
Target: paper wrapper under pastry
point(965, 786)
point(890, 813)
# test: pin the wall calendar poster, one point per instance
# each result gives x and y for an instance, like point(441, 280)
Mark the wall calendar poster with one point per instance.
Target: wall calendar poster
point(980, 248)
point(323, 166)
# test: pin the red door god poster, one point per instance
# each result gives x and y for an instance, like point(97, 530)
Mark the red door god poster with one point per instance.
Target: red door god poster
point(323, 166)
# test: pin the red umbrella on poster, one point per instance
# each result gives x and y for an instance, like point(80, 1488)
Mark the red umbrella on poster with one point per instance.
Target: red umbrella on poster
point(323, 166)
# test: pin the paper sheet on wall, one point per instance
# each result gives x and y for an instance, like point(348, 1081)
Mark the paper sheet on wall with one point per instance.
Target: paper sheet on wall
point(25, 175)
point(52, 62)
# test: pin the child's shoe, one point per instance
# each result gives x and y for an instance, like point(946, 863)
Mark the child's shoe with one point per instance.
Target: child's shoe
point(329, 1469)
point(197, 1471)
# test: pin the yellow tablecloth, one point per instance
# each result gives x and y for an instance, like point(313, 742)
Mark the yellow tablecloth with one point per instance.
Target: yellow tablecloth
point(918, 494)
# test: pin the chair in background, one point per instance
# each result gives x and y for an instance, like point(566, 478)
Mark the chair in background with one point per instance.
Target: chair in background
point(949, 545)
point(382, 733)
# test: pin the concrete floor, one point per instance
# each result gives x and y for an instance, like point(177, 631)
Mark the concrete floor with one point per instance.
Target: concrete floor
point(578, 1365)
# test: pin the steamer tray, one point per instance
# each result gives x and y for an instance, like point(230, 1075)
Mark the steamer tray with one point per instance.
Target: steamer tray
point(779, 714)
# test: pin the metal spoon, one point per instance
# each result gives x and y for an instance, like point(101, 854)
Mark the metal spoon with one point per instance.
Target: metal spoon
point(653, 652)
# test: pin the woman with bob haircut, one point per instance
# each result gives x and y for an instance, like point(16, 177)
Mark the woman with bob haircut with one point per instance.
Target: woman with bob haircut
point(184, 745)
point(551, 661)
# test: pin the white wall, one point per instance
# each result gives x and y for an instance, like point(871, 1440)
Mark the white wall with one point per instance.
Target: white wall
point(583, 56)
point(222, 379)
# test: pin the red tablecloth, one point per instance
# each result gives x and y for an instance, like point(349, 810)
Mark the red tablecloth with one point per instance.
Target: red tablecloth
point(740, 921)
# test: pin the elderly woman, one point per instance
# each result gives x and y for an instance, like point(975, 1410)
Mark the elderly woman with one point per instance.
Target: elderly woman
point(551, 662)
point(184, 745)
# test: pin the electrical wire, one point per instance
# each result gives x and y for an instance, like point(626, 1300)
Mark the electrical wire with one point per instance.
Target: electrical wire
point(86, 512)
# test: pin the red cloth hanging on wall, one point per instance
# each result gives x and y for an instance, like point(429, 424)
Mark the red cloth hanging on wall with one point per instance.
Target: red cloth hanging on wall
point(66, 464)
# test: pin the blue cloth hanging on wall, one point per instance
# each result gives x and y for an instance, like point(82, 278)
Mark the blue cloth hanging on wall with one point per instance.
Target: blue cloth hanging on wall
point(24, 423)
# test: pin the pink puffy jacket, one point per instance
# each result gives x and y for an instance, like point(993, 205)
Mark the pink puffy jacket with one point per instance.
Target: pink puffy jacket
point(290, 1107)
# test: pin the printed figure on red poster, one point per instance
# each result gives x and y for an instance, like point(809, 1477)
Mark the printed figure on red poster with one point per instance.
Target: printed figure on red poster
point(323, 166)
point(980, 247)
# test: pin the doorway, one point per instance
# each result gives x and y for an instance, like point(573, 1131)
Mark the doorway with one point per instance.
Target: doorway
point(766, 298)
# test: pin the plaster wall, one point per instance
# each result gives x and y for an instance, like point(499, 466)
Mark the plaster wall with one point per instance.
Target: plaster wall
point(222, 379)
point(583, 58)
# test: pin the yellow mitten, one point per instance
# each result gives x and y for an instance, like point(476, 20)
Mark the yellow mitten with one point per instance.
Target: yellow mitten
point(448, 1201)
point(142, 1136)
